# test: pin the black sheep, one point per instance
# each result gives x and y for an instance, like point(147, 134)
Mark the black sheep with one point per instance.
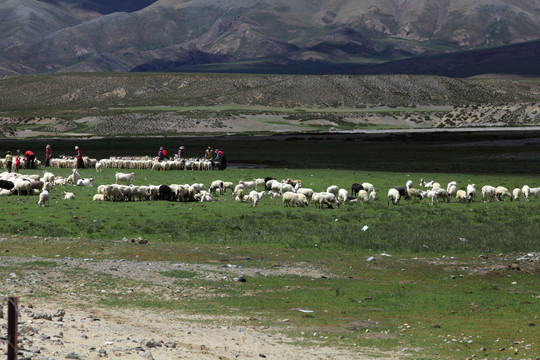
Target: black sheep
point(402, 192)
point(165, 193)
point(355, 188)
point(6, 184)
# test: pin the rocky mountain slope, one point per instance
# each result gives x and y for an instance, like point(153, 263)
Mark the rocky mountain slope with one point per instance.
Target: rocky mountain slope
point(244, 36)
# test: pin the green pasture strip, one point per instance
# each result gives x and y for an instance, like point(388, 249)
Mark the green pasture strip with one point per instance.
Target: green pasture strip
point(413, 226)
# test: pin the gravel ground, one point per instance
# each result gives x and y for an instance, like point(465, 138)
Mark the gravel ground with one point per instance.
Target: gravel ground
point(66, 323)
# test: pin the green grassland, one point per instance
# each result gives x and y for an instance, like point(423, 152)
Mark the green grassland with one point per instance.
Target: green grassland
point(446, 289)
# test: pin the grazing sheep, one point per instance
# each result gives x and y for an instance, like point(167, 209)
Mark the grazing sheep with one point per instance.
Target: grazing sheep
point(343, 195)
point(526, 191)
point(43, 198)
point(6, 184)
point(240, 195)
point(333, 189)
point(516, 193)
point(227, 185)
point(165, 193)
point(438, 194)
point(373, 195)
point(450, 184)
point(402, 192)
point(68, 195)
point(501, 192)
point(426, 184)
point(215, 186)
point(452, 190)
point(461, 196)
point(254, 197)
point(302, 200)
point(394, 196)
point(305, 191)
point(287, 188)
point(319, 199)
point(368, 187)
point(436, 185)
point(471, 192)
point(236, 188)
point(248, 184)
point(290, 198)
point(363, 196)
point(98, 197)
point(488, 193)
point(355, 188)
point(414, 193)
point(123, 177)
point(534, 192)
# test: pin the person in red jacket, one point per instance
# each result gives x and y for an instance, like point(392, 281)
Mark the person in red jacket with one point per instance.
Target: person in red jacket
point(221, 159)
point(30, 159)
point(80, 162)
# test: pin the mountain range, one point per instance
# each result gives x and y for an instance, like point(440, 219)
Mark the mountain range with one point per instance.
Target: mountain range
point(444, 37)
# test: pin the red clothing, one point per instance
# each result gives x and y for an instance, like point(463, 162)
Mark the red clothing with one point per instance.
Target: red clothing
point(48, 152)
point(79, 154)
point(28, 153)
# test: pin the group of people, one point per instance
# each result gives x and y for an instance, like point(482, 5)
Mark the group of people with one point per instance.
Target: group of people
point(208, 154)
point(30, 159)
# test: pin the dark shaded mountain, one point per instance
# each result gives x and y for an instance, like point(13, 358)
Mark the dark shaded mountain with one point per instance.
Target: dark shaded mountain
point(291, 36)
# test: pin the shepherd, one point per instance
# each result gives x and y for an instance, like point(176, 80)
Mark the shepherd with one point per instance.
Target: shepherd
point(30, 159)
point(80, 162)
point(48, 155)
point(220, 156)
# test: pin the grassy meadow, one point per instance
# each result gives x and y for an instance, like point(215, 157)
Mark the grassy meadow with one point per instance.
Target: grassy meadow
point(439, 284)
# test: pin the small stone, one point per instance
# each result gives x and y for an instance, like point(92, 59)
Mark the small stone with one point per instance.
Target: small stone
point(72, 355)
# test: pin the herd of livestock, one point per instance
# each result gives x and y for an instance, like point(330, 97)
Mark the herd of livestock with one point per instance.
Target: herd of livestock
point(291, 192)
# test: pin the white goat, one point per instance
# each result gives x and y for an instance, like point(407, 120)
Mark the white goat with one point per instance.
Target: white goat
point(43, 198)
point(124, 177)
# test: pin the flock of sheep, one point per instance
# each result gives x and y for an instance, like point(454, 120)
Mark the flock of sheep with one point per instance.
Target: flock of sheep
point(291, 192)
point(434, 192)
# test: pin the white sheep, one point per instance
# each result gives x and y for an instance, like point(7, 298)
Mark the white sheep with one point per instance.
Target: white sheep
point(287, 188)
point(415, 193)
point(236, 188)
point(240, 195)
point(488, 193)
point(333, 189)
point(516, 193)
point(215, 186)
point(393, 196)
point(342, 195)
point(363, 196)
point(461, 196)
point(302, 200)
point(450, 184)
point(124, 177)
point(98, 197)
point(325, 198)
point(290, 198)
point(471, 192)
point(73, 178)
point(501, 192)
point(248, 184)
point(254, 197)
point(426, 184)
point(438, 194)
point(305, 191)
point(274, 195)
point(409, 184)
point(86, 182)
point(373, 195)
point(534, 192)
point(227, 185)
point(526, 190)
point(68, 195)
point(48, 177)
point(368, 187)
point(452, 189)
point(43, 198)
